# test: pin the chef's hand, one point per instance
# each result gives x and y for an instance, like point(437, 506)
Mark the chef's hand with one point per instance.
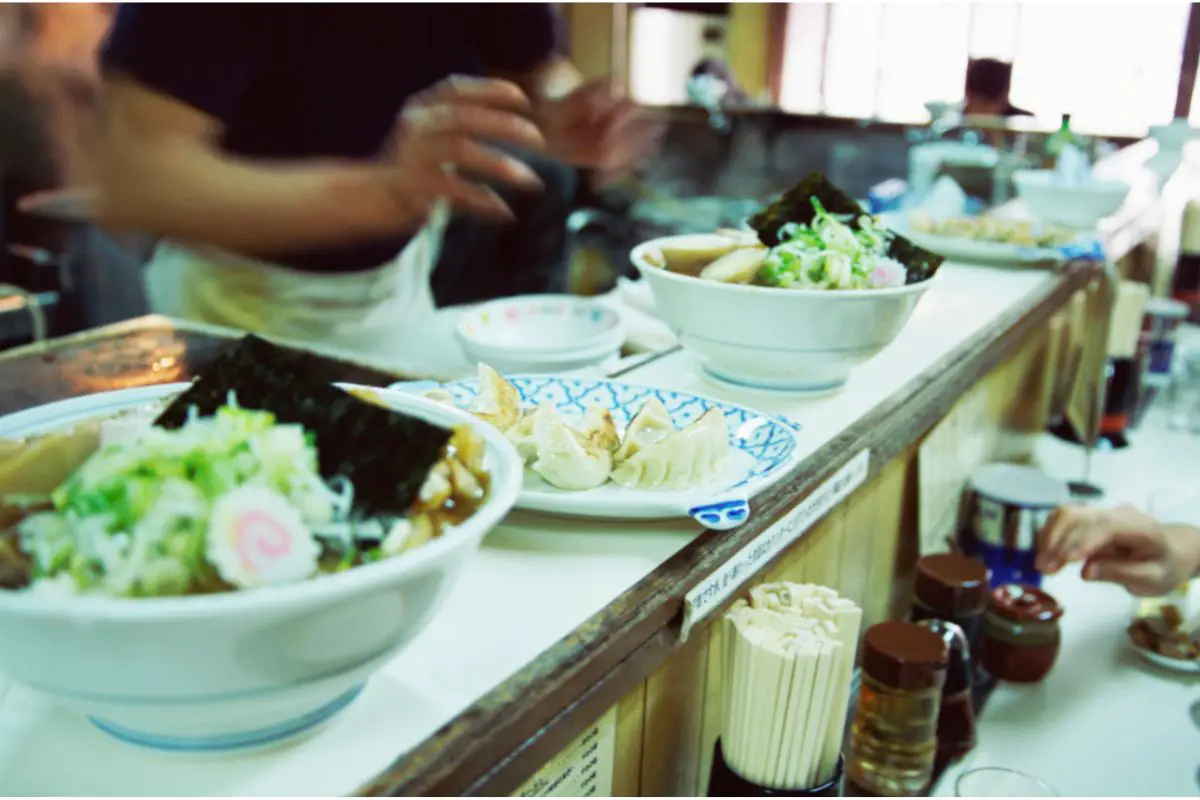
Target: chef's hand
point(597, 128)
point(1120, 545)
point(439, 146)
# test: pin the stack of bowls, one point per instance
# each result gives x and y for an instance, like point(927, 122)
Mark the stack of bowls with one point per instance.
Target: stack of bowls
point(541, 333)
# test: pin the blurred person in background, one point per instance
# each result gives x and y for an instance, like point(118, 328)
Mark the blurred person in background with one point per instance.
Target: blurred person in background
point(1147, 556)
point(288, 153)
point(46, 98)
point(711, 83)
point(986, 89)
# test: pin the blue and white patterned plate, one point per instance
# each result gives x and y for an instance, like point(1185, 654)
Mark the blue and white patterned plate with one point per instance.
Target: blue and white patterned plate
point(764, 449)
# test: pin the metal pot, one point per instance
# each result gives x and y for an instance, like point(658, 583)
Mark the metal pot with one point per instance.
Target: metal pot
point(1007, 506)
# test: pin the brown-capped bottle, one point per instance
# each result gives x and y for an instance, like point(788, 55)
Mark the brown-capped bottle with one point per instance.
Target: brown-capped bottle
point(953, 588)
point(893, 738)
point(956, 717)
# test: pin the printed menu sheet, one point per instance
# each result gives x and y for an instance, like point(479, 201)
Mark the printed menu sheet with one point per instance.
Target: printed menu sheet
point(583, 769)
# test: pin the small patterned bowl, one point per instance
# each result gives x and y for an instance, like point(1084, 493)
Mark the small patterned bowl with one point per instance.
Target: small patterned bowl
point(540, 333)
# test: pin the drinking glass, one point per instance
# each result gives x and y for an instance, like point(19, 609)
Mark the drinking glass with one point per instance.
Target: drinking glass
point(1183, 394)
point(1000, 782)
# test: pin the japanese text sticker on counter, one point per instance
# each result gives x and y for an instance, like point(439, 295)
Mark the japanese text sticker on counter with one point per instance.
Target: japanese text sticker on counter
point(708, 595)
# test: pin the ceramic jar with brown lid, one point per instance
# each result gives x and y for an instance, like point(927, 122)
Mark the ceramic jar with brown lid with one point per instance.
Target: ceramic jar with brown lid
point(1020, 638)
point(952, 588)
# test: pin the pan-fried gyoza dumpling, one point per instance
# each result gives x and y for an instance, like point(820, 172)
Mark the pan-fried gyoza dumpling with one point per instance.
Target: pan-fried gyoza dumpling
point(524, 434)
point(498, 401)
point(681, 460)
point(597, 424)
point(650, 424)
point(567, 459)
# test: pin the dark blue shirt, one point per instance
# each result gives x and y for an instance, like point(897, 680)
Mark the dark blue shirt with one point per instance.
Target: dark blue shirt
point(292, 81)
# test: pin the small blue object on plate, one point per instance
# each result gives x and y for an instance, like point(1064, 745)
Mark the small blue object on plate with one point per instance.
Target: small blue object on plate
point(764, 449)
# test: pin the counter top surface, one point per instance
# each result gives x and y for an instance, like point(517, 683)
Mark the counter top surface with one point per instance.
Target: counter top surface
point(1104, 722)
point(535, 581)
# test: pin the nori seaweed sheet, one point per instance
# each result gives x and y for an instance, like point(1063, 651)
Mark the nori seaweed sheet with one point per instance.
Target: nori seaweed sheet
point(386, 454)
point(795, 205)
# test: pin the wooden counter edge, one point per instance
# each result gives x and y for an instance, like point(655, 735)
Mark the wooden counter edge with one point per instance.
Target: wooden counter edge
point(513, 730)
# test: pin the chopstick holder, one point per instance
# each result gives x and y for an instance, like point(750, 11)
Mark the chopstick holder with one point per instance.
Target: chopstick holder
point(789, 659)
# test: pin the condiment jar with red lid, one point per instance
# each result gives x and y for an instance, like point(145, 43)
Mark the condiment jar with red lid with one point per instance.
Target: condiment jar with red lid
point(952, 588)
point(1021, 637)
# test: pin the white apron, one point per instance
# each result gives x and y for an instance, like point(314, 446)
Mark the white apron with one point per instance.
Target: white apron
point(384, 314)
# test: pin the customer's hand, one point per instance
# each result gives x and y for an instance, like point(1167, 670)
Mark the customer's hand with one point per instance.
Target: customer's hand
point(439, 145)
point(596, 127)
point(1120, 545)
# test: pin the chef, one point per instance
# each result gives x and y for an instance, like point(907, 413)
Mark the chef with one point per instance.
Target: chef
point(300, 162)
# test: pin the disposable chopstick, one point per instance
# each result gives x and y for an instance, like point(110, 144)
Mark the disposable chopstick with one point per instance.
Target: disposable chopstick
point(822, 701)
point(791, 738)
point(848, 624)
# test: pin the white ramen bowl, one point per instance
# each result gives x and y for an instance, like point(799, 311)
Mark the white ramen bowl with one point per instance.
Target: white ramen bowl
point(777, 339)
point(236, 670)
point(540, 333)
point(1079, 206)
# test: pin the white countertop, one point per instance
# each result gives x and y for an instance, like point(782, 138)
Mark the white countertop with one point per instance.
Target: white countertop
point(1104, 722)
point(535, 580)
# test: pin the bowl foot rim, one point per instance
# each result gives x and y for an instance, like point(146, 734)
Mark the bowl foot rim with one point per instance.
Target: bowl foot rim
point(779, 386)
point(226, 742)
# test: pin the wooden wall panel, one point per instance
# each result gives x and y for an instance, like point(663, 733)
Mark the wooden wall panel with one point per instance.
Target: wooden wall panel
point(627, 771)
point(675, 702)
point(598, 38)
point(750, 46)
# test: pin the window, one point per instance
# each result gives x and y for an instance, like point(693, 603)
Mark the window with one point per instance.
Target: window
point(664, 47)
point(923, 57)
point(1113, 67)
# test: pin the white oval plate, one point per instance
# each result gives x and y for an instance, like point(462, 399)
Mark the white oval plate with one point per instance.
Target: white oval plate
point(957, 248)
point(764, 450)
point(1174, 664)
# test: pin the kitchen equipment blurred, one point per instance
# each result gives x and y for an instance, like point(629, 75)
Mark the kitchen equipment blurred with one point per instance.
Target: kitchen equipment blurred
point(1171, 140)
point(1185, 283)
point(1021, 635)
point(1124, 367)
point(1160, 332)
point(1007, 506)
point(1000, 782)
point(540, 333)
point(1076, 205)
point(966, 162)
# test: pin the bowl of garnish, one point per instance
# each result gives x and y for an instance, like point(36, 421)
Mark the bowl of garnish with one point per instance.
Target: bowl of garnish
point(224, 564)
point(815, 288)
